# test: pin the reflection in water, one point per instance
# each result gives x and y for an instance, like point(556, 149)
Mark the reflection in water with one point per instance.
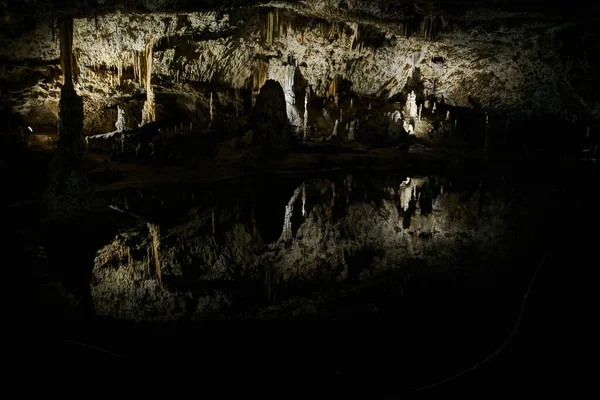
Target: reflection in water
point(209, 252)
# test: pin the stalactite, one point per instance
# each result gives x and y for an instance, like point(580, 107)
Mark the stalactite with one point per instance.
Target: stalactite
point(354, 36)
point(447, 115)
point(260, 74)
point(149, 111)
point(119, 69)
point(434, 108)
point(288, 79)
point(211, 106)
point(332, 91)
point(420, 111)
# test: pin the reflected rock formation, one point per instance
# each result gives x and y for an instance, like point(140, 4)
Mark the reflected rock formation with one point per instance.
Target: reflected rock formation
point(192, 270)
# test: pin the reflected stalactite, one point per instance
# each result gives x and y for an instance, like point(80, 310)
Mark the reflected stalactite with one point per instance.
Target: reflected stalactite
point(286, 234)
point(154, 232)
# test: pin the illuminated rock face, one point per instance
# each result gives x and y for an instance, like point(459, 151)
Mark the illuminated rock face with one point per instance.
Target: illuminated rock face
point(326, 228)
point(513, 62)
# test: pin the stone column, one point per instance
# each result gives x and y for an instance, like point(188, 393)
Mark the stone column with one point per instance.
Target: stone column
point(68, 188)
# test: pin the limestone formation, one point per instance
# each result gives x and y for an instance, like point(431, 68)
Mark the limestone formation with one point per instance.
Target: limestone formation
point(269, 115)
point(126, 283)
point(351, 135)
point(411, 105)
point(68, 188)
point(120, 124)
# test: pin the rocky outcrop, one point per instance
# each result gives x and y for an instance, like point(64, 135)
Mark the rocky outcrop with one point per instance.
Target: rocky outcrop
point(268, 117)
point(334, 232)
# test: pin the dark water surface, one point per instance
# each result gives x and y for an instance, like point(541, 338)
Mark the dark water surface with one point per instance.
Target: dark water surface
point(417, 321)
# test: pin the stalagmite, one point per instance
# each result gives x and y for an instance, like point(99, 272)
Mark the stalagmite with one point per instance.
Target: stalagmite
point(335, 128)
point(420, 111)
point(303, 200)
point(411, 104)
point(434, 108)
point(306, 112)
point(120, 124)
point(351, 103)
point(447, 115)
point(427, 104)
point(351, 137)
point(211, 107)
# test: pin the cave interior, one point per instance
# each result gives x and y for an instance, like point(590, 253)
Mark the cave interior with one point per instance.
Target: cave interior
point(422, 169)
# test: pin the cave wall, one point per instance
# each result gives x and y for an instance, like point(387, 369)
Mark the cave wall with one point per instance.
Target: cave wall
point(521, 63)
